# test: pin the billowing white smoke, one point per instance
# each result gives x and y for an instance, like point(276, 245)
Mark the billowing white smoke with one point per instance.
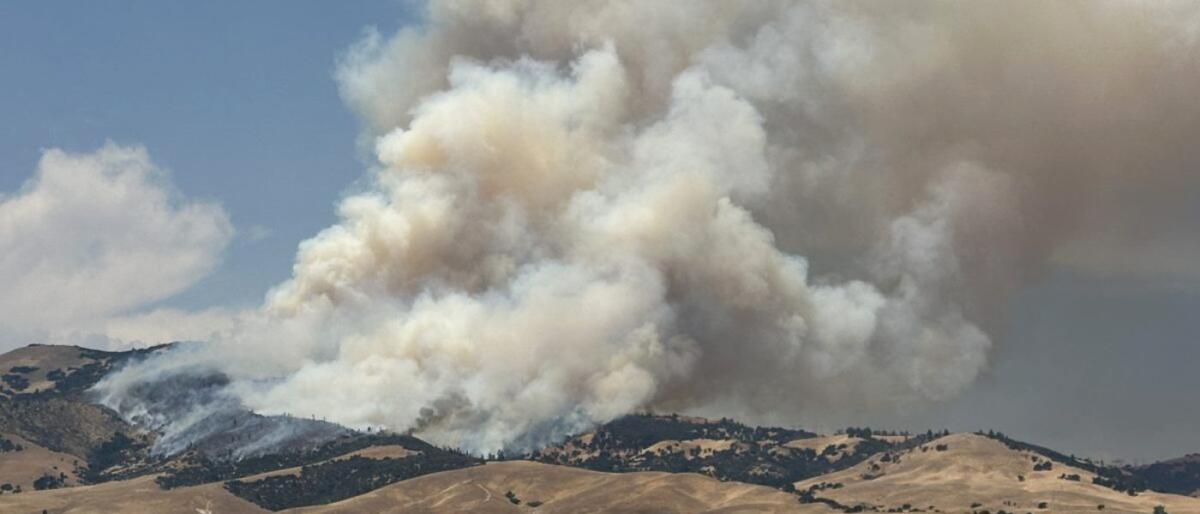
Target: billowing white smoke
point(582, 209)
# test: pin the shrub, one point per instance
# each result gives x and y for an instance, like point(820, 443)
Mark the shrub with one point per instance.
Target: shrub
point(48, 482)
point(9, 446)
point(16, 382)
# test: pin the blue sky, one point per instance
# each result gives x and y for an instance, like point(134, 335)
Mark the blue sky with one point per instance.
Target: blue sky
point(236, 99)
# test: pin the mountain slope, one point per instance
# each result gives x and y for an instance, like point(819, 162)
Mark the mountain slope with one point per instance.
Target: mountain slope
point(89, 458)
point(724, 449)
point(969, 472)
point(1178, 476)
point(26, 466)
point(134, 496)
point(537, 487)
point(54, 429)
point(44, 401)
point(561, 489)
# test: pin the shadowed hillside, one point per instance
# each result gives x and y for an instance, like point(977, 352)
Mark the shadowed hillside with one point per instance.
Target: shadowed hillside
point(723, 449)
point(1178, 476)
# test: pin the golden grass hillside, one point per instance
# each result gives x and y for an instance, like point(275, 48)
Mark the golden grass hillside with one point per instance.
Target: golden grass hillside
point(546, 488)
point(540, 488)
point(33, 363)
point(975, 473)
point(22, 467)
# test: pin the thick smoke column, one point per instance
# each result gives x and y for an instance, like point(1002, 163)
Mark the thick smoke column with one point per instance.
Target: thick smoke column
point(581, 209)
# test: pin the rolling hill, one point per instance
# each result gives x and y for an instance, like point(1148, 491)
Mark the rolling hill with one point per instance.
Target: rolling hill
point(62, 452)
point(972, 472)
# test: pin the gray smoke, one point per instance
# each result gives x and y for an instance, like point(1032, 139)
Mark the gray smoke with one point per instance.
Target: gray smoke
point(581, 209)
point(191, 408)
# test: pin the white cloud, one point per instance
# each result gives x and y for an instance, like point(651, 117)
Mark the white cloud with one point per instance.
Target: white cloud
point(94, 235)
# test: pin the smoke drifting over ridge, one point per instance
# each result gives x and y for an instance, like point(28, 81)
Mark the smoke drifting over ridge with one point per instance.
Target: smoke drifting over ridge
point(583, 209)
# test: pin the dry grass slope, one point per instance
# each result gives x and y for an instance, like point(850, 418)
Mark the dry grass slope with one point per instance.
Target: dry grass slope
point(978, 470)
point(563, 489)
point(138, 496)
point(32, 363)
point(22, 468)
point(972, 473)
point(477, 489)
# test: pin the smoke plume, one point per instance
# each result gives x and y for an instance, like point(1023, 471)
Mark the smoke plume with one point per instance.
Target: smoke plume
point(581, 209)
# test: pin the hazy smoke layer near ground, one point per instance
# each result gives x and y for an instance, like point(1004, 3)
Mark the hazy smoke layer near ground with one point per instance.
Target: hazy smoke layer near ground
point(580, 209)
point(191, 408)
